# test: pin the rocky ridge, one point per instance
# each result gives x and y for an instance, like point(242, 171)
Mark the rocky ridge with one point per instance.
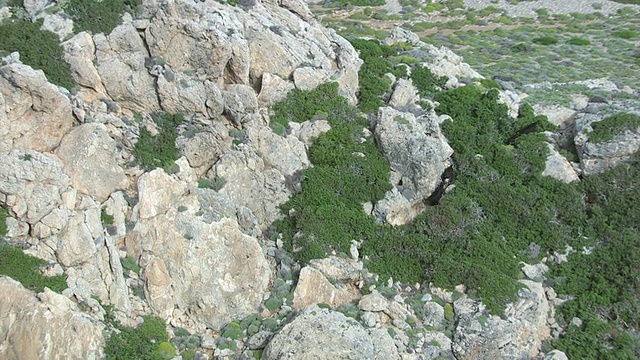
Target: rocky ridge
point(205, 260)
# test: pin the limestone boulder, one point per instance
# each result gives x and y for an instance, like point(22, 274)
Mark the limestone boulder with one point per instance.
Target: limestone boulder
point(209, 41)
point(32, 185)
point(120, 58)
point(418, 154)
point(79, 52)
point(88, 153)
point(273, 89)
point(557, 166)
point(323, 334)
point(252, 182)
point(599, 157)
point(36, 114)
point(518, 334)
point(45, 326)
point(176, 244)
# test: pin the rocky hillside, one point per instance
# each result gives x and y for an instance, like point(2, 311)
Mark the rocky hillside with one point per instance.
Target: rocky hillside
point(161, 190)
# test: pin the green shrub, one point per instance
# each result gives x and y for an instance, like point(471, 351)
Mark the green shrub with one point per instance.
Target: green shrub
point(578, 41)
point(144, 342)
point(373, 82)
point(4, 215)
point(625, 34)
point(545, 40)
point(98, 16)
point(105, 218)
point(216, 184)
point(24, 268)
point(426, 82)
point(130, 264)
point(278, 128)
point(160, 150)
point(38, 49)
point(606, 129)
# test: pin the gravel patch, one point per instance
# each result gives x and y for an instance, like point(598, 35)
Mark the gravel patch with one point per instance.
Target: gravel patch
point(528, 8)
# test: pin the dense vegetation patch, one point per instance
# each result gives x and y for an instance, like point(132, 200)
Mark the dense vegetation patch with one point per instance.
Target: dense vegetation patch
point(159, 151)
point(38, 48)
point(606, 129)
point(148, 341)
point(373, 82)
point(26, 269)
point(348, 171)
point(606, 281)
point(98, 16)
point(303, 105)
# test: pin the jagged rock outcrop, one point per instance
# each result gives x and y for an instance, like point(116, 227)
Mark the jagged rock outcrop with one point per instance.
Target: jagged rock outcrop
point(36, 114)
point(197, 274)
point(418, 154)
point(557, 166)
point(332, 281)
point(519, 335)
point(45, 326)
point(239, 47)
point(79, 52)
point(598, 157)
point(36, 188)
point(323, 334)
point(120, 56)
point(81, 150)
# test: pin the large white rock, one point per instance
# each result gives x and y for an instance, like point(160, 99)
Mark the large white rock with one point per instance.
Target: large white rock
point(35, 115)
point(323, 334)
point(197, 274)
point(45, 326)
point(89, 155)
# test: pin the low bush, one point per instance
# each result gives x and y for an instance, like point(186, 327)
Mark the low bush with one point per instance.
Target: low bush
point(606, 129)
point(149, 341)
point(578, 41)
point(98, 16)
point(426, 82)
point(26, 269)
point(159, 151)
point(625, 34)
point(38, 48)
point(545, 40)
point(373, 82)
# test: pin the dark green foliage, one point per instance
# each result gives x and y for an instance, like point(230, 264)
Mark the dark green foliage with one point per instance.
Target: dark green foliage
point(545, 40)
point(578, 41)
point(160, 150)
point(146, 342)
point(606, 129)
point(105, 218)
point(426, 82)
point(38, 49)
point(24, 268)
point(605, 283)
point(130, 264)
point(625, 34)
point(637, 2)
point(489, 84)
point(4, 215)
point(303, 105)
point(373, 82)
point(216, 184)
point(98, 16)
point(358, 2)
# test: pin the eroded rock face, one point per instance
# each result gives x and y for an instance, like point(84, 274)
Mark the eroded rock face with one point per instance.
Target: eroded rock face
point(596, 158)
point(32, 184)
point(557, 166)
point(238, 47)
point(418, 154)
point(121, 66)
point(89, 155)
point(45, 326)
point(323, 334)
point(331, 281)
point(35, 115)
point(198, 274)
point(519, 336)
